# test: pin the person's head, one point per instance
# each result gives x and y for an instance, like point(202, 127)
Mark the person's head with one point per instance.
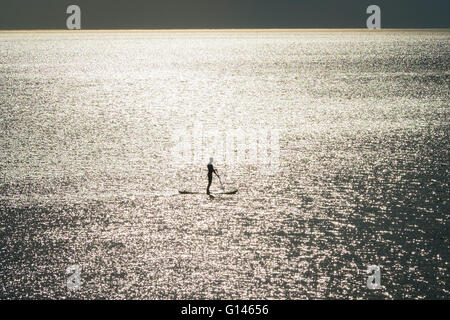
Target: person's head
point(211, 160)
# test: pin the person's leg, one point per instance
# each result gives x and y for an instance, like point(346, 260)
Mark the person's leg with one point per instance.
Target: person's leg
point(209, 184)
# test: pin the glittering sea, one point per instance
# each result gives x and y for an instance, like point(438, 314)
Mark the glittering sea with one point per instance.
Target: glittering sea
point(88, 181)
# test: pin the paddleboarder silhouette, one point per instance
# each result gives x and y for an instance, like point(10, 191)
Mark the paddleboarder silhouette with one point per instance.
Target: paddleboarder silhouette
point(211, 170)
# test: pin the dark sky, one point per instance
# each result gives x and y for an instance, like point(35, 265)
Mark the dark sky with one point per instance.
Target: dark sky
point(155, 14)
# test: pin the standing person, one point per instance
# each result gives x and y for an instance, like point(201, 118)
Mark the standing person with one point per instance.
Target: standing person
point(211, 170)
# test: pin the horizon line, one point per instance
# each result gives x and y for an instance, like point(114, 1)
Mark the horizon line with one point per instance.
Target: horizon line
point(224, 30)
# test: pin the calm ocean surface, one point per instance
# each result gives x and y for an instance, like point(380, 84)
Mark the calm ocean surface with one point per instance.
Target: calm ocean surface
point(87, 173)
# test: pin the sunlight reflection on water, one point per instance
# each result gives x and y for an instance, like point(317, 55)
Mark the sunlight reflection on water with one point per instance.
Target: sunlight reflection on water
point(87, 174)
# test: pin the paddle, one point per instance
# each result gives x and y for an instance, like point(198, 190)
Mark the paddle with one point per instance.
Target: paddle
point(221, 185)
point(223, 188)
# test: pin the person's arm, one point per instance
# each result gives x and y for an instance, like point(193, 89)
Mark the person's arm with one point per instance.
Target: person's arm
point(215, 171)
